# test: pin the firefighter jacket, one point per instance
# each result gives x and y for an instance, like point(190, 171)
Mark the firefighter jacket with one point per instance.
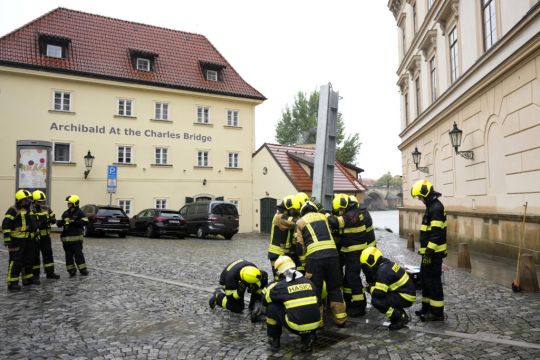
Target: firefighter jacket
point(356, 229)
point(45, 217)
point(73, 222)
point(299, 298)
point(390, 277)
point(281, 236)
point(18, 225)
point(234, 286)
point(314, 238)
point(433, 229)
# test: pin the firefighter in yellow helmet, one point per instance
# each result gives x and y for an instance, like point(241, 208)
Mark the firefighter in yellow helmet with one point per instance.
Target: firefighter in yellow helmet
point(433, 250)
point(45, 217)
point(315, 241)
point(282, 232)
point(73, 222)
point(235, 279)
point(390, 286)
point(292, 303)
point(18, 227)
point(302, 198)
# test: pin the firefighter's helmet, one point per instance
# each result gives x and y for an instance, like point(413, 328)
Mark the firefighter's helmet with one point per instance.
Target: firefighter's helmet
point(370, 256)
point(290, 202)
point(302, 198)
point(340, 202)
point(22, 194)
point(250, 274)
point(308, 207)
point(39, 195)
point(284, 263)
point(421, 188)
point(73, 199)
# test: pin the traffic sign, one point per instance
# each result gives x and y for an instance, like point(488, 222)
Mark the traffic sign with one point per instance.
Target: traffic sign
point(112, 175)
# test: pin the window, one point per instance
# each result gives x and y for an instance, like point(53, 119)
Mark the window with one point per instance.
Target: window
point(211, 75)
point(143, 64)
point(161, 204)
point(233, 160)
point(124, 154)
point(202, 114)
point(125, 205)
point(53, 46)
point(453, 44)
point(232, 118)
point(236, 203)
point(202, 158)
point(433, 78)
point(54, 51)
point(415, 21)
point(161, 156)
point(489, 23)
point(406, 105)
point(62, 101)
point(124, 107)
point(62, 152)
point(162, 111)
point(430, 3)
point(418, 94)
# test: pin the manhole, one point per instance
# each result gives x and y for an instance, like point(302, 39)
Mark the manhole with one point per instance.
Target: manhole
point(327, 338)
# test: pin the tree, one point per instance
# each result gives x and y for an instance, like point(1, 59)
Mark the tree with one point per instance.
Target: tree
point(388, 181)
point(298, 125)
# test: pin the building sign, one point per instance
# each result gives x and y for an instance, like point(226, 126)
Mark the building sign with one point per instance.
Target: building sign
point(33, 168)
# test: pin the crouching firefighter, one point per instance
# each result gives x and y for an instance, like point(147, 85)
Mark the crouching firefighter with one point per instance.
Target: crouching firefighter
point(45, 217)
point(292, 303)
point(235, 279)
point(392, 289)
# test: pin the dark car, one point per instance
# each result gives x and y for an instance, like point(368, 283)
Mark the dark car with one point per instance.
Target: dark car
point(157, 222)
point(105, 219)
point(211, 217)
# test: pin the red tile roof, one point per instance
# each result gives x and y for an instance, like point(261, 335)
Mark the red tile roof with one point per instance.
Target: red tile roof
point(289, 159)
point(100, 47)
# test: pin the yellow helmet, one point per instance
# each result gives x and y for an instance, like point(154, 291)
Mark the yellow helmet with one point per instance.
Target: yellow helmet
point(302, 198)
point(39, 195)
point(353, 201)
point(22, 194)
point(370, 256)
point(308, 207)
point(73, 199)
point(340, 202)
point(421, 188)
point(284, 263)
point(290, 202)
point(250, 274)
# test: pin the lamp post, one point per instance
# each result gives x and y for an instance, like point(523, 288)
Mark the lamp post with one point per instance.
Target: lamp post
point(455, 138)
point(88, 162)
point(417, 155)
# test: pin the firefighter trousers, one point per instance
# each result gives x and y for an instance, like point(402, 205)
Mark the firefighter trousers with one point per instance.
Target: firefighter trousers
point(29, 254)
point(43, 249)
point(15, 264)
point(432, 289)
point(74, 256)
point(353, 287)
point(230, 303)
point(275, 321)
point(391, 301)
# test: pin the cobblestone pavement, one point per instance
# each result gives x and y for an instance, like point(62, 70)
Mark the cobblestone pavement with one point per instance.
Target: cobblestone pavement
point(147, 299)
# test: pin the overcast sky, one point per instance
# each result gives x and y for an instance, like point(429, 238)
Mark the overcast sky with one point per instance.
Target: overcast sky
point(281, 47)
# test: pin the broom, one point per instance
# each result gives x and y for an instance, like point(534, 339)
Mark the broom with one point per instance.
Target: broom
point(515, 284)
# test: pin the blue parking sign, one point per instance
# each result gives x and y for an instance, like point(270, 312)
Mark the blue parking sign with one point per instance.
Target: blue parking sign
point(112, 175)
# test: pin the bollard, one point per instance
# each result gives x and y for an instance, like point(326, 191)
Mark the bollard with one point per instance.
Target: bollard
point(528, 281)
point(410, 241)
point(464, 258)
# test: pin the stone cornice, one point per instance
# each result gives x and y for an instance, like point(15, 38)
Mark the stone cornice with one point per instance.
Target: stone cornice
point(447, 14)
point(395, 7)
point(428, 43)
point(403, 82)
point(414, 65)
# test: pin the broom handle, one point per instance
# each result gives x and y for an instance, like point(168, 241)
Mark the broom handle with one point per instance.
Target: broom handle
point(522, 236)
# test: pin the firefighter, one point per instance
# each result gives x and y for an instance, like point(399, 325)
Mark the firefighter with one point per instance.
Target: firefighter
point(235, 279)
point(356, 234)
point(281, 235)
point(292, 303)
point(390, 287)
point(18, 227)
point(302, 198)
point(315, 241)
point(73, 222)
point(45, 217)
point(433, 249)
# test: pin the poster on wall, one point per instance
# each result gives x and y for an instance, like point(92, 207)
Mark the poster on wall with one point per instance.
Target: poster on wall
point(33, 168)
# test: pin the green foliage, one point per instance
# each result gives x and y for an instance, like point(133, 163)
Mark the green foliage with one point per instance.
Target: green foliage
point(388, 181)
point(298, 125)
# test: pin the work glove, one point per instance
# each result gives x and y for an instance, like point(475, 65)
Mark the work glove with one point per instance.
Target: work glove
point(256, 311)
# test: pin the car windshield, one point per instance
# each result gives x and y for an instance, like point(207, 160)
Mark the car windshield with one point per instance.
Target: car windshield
point(110, 212)
point(170, 215)
point(224, 209)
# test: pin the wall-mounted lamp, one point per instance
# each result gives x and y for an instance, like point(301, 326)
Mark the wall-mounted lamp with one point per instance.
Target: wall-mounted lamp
point(267, 193)
point(416, 156)
point(455, 138)
point(88, 162)
point(204, 182)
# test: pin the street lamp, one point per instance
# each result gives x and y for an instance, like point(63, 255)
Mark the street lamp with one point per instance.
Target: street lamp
point(88, 162)
point(455, 138)
point(416, 155)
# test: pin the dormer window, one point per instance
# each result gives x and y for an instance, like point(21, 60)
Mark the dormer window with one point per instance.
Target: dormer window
point(53, 46)
point(143, 60)
point(143, 64)
point(212, 71)
point(211, 75)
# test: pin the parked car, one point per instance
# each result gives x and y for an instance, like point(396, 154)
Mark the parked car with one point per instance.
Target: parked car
point(105, 219)
point(211, 217)
point(157, 222)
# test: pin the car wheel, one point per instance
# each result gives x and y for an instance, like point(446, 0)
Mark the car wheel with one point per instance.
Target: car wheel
point(87, 232)
point(150, 232)
point(228, 236)
point(200, 233)
point(122, 234)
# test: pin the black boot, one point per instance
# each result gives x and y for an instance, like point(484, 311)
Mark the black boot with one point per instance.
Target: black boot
point(35, 280)
point(84, 272)
point(53, 276)
point(357, 310)
point(307, 342)
point(398, 320)
point(423, 310)
point(14, 287)
point(274, 343)
point(72, 273)
point(432, 316)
